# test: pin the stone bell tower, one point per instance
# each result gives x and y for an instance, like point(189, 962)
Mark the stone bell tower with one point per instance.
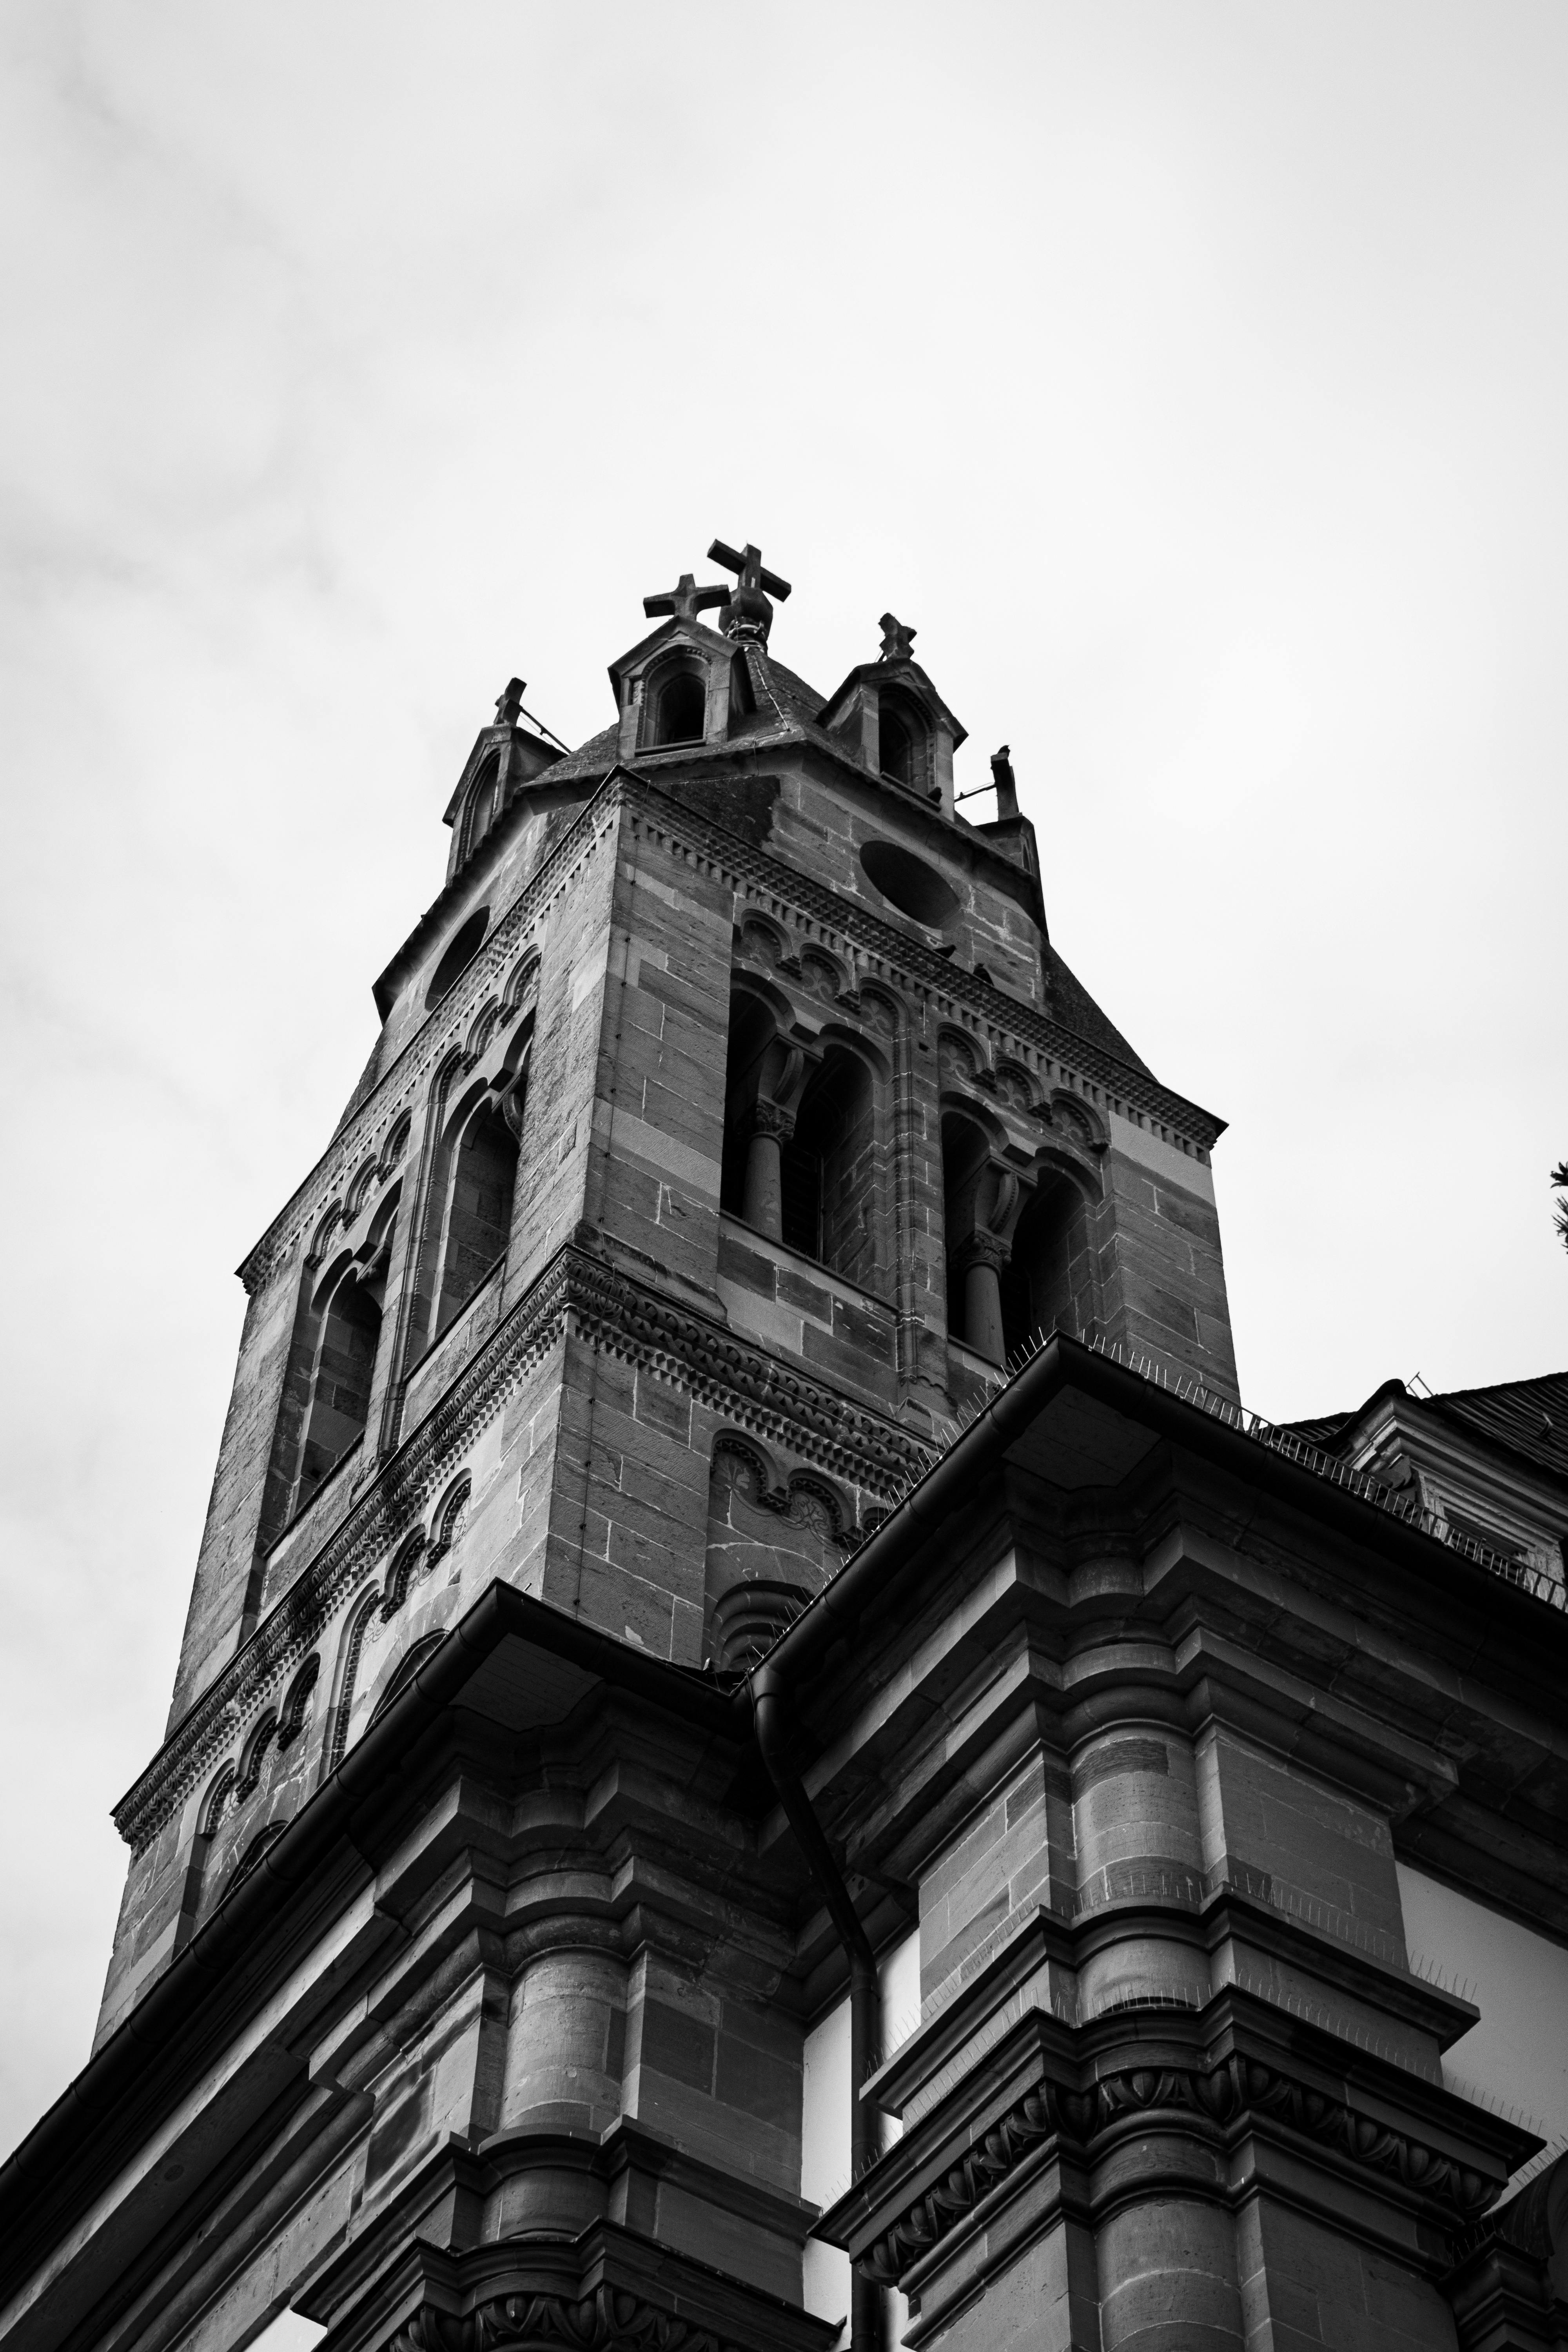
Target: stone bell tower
point(726, 1030)
point(638, 1604)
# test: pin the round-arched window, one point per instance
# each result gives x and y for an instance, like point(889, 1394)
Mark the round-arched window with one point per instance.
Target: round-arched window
point(484, 804)
point(913, 886)
point(464, 947)
point(680, 712)
point(895, 749)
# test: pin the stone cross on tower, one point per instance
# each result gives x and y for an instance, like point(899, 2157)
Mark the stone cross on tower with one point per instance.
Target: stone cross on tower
point(686, 600)
point(509, 702)
point(748, 612)
point(898, 641)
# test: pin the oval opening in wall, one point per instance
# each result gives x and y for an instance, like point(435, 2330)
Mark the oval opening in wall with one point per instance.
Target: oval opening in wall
point(914, 888)
point(465, 945)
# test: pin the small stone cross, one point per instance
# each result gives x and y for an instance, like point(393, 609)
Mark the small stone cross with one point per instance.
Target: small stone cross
point(747, 613)
point(897, 641)
point(749, 564)
point(685, 599)
point(510, 702)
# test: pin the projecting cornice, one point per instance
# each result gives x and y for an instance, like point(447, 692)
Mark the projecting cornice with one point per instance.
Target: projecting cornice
point(1235, 2094)
point(1047, 2094)
point(608, 2289)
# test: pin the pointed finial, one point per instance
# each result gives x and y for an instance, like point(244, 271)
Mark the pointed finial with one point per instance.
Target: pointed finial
point(898, 642)
point(686, 600)
point(1006, 785)
point(748, 612)
point(510, 702)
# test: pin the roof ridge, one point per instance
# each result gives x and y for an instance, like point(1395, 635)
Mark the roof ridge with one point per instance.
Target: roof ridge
point(1500, 1388)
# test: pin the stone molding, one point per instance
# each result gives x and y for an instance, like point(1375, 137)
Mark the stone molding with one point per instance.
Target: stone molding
point(610, 2319)
point(1501, 2289)
point(1224, 2096)
point(608, 2288)
point(748, 1386)
point(610, 1312)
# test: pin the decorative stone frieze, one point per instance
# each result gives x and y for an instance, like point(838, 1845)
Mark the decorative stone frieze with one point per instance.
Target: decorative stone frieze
point(608, 2320)
point(1231, 2093)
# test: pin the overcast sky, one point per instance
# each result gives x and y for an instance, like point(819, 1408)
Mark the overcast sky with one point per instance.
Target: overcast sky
point(1193, 376)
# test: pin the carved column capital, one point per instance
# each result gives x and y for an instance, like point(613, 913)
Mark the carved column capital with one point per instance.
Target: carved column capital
point(765, 1118)
point(982, 1248)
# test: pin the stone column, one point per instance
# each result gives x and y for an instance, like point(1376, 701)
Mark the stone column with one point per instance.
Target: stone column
point(982, 1258)
point(763, 1206)
point(566, 2042)
point(1137, 1836)
point(1167, 2263)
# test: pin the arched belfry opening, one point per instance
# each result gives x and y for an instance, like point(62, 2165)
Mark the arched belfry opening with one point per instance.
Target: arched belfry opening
point(478, 1222)
point(903, 738)
point(1049, 1282)
point(762, 1076)
point(800, 1159)
point(467, 1222)
point(340, 1381)
point(895, 746)
point(828, 1170)
point(983, 1197)
point(329, 1373)
point(679, 708)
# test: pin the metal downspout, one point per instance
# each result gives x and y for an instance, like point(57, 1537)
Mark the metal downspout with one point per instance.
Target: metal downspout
point(770, 1711)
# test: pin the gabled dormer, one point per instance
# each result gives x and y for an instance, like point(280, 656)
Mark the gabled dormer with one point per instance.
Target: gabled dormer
point(890, 717)
point(505, 756)
point(1488, 1466)
point(682, 686)
point(687, 685)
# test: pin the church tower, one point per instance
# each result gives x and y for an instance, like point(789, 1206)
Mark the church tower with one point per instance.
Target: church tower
point(731, 1120)
point(763, 1755)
